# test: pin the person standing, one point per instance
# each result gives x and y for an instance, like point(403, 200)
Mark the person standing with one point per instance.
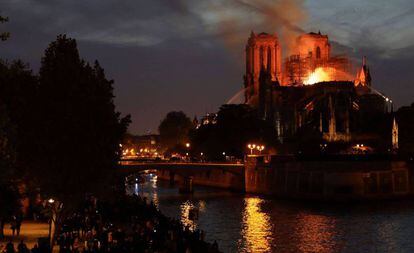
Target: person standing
point(13, 225)
point(2, 222)
point(35, 249)
point(19, 220)
point(10, 248)
point(22, 248)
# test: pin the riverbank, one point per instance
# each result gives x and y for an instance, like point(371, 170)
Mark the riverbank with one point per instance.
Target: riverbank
point(128, 224)
point(330, 178)
point(30, 232)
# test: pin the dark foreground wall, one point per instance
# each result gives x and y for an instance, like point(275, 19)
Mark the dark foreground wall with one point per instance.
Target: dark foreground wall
point(336, 178)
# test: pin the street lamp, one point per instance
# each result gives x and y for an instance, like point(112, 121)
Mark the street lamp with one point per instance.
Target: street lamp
point(187, 145)
point(54, 208)
point(251, 147)
point(260, 148)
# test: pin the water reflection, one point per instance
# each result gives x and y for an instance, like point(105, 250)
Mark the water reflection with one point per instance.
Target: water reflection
point(190, 212)
point(247, 224)
point(202, 206)
point(257, 227)
point(153, 180)
point(136, 189)
point(315, 233)
point(186, 215)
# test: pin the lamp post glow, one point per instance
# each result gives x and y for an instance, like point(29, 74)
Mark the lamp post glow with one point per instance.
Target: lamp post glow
point(53, 210)
point(187, 145)
point(260, 148)
point(251, 147)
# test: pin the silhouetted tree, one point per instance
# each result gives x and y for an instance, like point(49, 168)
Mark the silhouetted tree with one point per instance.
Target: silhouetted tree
point(174, 130)
point(236, 126)
point(7, 145)
point(78, 131)
point(405, 119)
point(4, 35)
point(9, 197)
point(9, 202)
point(8, 191)
point(17, 95)
point(16, 82)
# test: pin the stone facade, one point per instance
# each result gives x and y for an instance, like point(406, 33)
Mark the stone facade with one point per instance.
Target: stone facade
point(338, 178)
point(311, 51)
point(263, 51)
point(312, 87)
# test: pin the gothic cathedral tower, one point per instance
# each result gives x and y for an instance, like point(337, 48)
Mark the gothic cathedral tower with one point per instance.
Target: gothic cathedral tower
point(261, 50)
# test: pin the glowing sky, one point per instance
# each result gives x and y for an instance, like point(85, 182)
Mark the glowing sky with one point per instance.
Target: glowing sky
point(188, 54)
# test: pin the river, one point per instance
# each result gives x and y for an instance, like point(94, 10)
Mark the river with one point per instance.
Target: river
point(248, 223)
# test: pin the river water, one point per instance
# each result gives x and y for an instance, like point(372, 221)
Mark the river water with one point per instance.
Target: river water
point(248, 223)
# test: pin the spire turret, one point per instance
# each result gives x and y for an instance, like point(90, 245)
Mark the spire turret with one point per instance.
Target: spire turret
point(363, 77)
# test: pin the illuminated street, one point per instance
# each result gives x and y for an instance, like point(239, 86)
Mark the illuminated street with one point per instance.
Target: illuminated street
point(30, 232)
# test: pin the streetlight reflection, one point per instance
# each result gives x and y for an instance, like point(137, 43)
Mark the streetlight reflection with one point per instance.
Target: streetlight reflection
point(257, 228)
point(186, 220)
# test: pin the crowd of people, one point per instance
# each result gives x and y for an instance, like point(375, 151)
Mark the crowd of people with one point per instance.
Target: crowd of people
point(41, 247)
point(128, 225)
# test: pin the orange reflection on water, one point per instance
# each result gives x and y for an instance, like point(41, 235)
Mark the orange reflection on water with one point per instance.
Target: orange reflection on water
point(315, 233)
point(186, 220)
point(155, 192)
point(257, 228)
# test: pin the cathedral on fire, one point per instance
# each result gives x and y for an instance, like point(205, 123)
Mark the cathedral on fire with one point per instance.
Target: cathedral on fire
point(309, 88)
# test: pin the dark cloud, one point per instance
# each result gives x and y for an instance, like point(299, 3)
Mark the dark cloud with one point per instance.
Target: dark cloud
point(188, 55)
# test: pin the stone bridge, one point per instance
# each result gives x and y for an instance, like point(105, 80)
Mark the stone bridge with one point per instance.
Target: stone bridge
point(186, 174)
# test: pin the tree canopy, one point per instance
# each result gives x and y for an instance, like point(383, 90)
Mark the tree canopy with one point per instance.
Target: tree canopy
point(16, 82)
point(174, 130)
point(405, 119)
point(4, 35)
point(78, 130)
point(17, 95)
point(237, 125)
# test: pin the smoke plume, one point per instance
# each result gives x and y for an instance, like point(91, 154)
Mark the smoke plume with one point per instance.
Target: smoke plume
point(283, 17)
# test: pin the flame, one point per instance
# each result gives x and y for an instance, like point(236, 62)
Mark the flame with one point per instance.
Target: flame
point(321, 74)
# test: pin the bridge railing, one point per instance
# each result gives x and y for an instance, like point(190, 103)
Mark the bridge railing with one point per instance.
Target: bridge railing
point(141, 162)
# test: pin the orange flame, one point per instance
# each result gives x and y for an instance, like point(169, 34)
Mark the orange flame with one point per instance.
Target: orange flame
point(321, 74)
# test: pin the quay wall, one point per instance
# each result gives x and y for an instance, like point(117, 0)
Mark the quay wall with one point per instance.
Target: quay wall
point(317, 178)
point(230, 178)
point(329, 179)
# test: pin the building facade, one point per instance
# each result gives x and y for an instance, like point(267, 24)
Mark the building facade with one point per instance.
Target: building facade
point(311, 89)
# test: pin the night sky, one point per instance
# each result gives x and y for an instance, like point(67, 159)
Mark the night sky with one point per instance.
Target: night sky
point(188, 54)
